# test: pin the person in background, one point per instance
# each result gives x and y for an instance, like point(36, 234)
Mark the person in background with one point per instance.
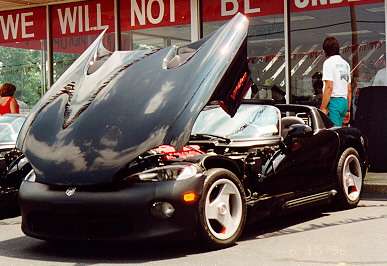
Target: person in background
point(317, 85)
point(336, 101)
point(8, 103)
point(277, 94)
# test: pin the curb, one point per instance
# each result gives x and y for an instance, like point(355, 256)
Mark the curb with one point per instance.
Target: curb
point(375, 188)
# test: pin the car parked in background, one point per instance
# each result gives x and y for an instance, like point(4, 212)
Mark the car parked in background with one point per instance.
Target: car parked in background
point(23, 107)
point(12, 167)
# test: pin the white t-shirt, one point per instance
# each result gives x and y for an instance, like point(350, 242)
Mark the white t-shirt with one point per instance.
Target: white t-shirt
point(336, 69)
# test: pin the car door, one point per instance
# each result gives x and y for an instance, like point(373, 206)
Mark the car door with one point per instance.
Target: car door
point(304, 164)
point(311, 159)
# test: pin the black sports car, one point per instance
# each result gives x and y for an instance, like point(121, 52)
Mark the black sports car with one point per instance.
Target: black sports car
point(10, 125)
point(130, 145)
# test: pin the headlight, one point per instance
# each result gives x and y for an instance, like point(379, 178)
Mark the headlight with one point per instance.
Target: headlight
point(170, 172)
point(30, 177)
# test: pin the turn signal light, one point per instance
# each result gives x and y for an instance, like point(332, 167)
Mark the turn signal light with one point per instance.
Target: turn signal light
point(189, 197)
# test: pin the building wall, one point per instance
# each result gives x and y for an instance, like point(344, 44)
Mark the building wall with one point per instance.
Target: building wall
point(28, 47)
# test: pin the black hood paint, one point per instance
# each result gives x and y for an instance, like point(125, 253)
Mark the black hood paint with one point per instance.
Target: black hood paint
point(88, 127)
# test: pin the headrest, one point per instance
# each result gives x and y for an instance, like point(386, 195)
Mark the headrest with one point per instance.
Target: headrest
point(291, 120)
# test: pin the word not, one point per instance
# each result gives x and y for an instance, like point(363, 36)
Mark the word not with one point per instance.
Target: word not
point(152, 11)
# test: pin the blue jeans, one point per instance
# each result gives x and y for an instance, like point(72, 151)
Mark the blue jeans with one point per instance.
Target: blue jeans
point(337, 109)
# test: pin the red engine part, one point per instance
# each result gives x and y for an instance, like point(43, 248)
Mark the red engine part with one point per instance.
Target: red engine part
point(171, 153)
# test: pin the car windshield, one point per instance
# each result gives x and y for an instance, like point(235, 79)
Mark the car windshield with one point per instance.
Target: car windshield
point(10, 127)
point(250, 122)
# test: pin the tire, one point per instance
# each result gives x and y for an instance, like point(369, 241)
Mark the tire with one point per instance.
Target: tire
point(222, 209)
point(349, 179)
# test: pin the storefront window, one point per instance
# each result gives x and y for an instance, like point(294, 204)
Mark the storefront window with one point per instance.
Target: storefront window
point(22, 53)
point(75, 26)
point(155, 24)
point(360, 30)
point(358, 25)
point(266, 45)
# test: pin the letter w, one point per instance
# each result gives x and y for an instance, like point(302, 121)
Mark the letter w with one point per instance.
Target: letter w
point(69, 19)
point(10, 25)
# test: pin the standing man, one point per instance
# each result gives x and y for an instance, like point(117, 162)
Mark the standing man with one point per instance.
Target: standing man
point(337, 92)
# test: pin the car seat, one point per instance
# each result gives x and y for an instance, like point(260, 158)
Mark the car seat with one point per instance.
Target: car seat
point(287, 121)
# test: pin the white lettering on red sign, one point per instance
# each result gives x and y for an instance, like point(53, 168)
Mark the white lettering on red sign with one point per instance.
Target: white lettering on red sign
point(229, 12)
point(224, 11)
point(306, 3)
point(137, 12)
point(26, 24)
point(172, 10)
point(79, 15)
point(149, 8)
point(249, 10)
point(10, 25)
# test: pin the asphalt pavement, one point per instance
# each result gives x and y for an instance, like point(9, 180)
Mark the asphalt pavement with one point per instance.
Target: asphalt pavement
point(328, 237)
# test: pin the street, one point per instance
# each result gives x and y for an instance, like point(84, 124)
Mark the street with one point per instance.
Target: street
point(352, 237)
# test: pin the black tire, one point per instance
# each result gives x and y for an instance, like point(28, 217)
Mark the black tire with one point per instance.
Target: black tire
point(206, 231)
point(350, 157)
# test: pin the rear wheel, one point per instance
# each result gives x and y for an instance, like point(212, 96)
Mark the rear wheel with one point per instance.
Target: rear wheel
point(222, 208)
point(350, 178)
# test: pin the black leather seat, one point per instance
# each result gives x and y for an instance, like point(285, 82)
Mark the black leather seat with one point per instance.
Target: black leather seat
point(287, 121)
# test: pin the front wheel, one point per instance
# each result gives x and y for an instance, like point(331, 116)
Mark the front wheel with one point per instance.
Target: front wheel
point(350, 178)
point(222, 208)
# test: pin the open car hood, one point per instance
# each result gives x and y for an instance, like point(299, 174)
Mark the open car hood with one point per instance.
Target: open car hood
point(109, 108)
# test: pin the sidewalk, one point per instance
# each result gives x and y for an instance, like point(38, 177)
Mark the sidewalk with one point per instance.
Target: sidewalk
point(375, 183)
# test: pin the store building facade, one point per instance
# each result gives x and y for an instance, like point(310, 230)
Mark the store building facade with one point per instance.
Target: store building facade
point(38, 43)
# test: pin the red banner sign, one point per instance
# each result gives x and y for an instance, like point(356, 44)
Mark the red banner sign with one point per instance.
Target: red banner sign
point(225, 9)
point(22, 25)
point(140, 14)
point(82, 18)
point(306, 5)
point(90, 17)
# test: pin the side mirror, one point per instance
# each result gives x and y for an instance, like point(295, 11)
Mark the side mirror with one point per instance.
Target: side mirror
point(300, 130)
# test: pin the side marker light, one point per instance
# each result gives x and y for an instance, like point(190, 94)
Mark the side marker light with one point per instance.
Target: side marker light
point(189, 197)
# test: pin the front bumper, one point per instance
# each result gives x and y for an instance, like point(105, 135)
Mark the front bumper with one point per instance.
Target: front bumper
point(48, 213)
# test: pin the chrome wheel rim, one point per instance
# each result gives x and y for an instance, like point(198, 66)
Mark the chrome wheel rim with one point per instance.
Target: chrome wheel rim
point(223, 209)
point(352, 177)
